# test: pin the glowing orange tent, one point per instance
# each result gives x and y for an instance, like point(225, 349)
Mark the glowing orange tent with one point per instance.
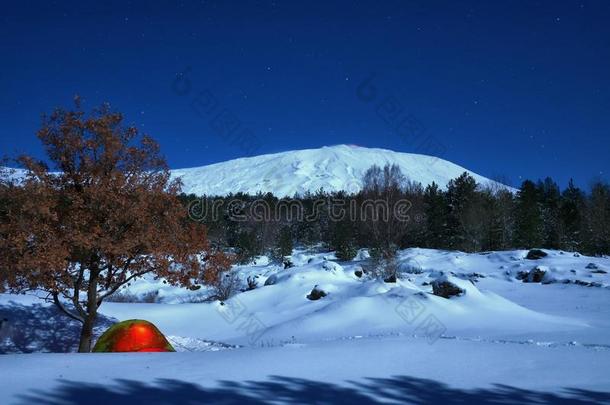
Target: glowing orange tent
point(134, 335)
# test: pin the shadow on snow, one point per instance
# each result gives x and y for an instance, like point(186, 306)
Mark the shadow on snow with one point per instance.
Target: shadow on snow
point(42, 328)
point(401, 389)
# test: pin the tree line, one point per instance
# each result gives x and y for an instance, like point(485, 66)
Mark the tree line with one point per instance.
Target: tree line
point(463, 215)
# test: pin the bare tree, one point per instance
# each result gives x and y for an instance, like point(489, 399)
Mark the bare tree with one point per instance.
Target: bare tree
point(383, 192)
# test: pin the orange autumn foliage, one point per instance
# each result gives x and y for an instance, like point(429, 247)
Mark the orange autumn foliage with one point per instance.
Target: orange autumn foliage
point(108, 214)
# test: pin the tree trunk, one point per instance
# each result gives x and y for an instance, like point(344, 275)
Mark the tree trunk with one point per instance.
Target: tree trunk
point(86, 334)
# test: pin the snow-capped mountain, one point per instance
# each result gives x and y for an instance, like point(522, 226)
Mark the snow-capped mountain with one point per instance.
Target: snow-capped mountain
point(332, 168)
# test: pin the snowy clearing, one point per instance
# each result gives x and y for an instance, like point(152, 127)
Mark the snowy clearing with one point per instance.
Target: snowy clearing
point(503, 338)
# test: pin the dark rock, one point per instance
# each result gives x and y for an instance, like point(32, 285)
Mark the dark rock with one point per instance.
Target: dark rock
point(288, 264)
point(194, 287)
point(390, 279)
point(252, 284)
point(535, 254)
point(522, 275)
point(536, 275)
point(271, 280)
point(592, 266)
point(358, 273)
point(446, 289)
point(599, 271)
point(587, 284)
point(316, 294)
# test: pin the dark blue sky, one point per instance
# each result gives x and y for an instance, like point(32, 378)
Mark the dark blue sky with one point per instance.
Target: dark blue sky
point(512, 89)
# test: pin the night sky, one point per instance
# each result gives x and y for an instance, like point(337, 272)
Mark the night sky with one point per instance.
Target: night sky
point(508, 89)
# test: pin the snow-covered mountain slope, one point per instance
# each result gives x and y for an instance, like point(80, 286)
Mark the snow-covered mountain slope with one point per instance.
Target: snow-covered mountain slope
point(331, 168)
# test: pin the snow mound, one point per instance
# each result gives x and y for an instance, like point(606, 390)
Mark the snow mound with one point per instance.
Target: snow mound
point(189, 344)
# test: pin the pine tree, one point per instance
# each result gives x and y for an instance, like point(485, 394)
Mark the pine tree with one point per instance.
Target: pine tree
point(528, 217)
point(571, 213)
point(343, 241)
point(246, 246)
point(492, 221)
point(415, 234)
point(598, 220)
point(550, 199)
point(504, 214)
point(464, 222)
point(436, 211)
point(284, 244)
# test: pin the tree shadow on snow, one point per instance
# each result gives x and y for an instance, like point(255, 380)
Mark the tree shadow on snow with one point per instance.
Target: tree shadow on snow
point(42, 328)
point(401, 389)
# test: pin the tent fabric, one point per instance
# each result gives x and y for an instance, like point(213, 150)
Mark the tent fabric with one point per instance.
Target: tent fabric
point(134, 335)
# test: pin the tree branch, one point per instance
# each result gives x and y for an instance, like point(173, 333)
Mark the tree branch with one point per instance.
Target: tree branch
point(63, 309)
point(119, 285)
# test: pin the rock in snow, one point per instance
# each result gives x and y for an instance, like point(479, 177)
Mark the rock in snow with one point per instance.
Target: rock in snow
point(535, 254)
point(443, 287)
point(535, 275)
point(316, 294)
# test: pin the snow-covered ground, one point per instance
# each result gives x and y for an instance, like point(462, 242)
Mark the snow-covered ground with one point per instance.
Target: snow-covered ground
point(502, 340)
